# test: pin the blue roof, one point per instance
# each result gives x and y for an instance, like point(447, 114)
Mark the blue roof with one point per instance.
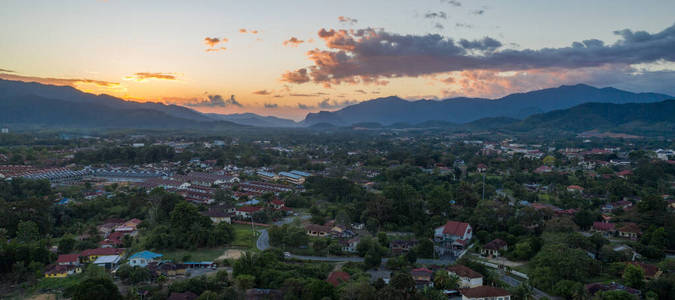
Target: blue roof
point(291, 175)
point(301, 173)
point(146, 255)
point(268, 174)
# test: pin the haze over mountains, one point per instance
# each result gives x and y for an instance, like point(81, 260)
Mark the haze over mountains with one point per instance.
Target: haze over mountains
point(31, 105)
point(392, 110)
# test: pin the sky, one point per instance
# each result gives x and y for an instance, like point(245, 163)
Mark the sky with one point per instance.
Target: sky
point(289, 58)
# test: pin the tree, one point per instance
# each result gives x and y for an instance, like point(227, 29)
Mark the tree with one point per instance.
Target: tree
point(425, 248)
point(357, 290)
point(27, 231)
point(209, 295)
point(443, 280)
point(373, 258)
point(66, 244)
point(100, 288)
point(633, 276)
point(244, 281)
point(403, 282)
point(614, 295)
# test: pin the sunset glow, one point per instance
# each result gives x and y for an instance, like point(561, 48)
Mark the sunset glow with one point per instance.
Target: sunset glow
point(288, 60)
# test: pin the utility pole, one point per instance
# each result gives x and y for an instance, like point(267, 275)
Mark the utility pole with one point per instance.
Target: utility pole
point(484, 185)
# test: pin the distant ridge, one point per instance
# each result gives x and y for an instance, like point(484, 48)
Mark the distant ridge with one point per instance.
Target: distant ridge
point(391, 110)
point(252, 119)
point(30, 105)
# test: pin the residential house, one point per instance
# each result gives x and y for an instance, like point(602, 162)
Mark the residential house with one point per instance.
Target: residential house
point(651, 271)
point(61, 271)
point(452, 238)
point(91, 255)
point(108, 262)
point(575, 189)
point(143, 258)
point(336, 278)
point(481, 168)
point(350, 245)
point(399, 247)
point(423, 277)
point(317, 230)
point(543, 170)
point(494, 247)
point(68, 260)
point(606, 229)
point(629, 230)
point(247, 212)
point(485, 292)
point(218, 215)
point(468, 278)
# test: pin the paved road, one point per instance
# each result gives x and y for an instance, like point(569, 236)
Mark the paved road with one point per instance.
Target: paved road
point(424, 261)
point(513, 282)
point(263, 242)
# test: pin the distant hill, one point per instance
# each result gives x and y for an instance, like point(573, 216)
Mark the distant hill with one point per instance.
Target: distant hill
point(634, 118)
point(252, 119)
point(391, 110)
point(29, 104)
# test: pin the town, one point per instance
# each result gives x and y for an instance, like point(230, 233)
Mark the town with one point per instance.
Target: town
point(381, 214)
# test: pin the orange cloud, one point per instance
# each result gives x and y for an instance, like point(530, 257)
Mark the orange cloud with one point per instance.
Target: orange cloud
point(297, 76)
point(251, 31)
point(58, 81)
point(293, 42)
point(347, 20)
point(216, 49)
point(142, 76)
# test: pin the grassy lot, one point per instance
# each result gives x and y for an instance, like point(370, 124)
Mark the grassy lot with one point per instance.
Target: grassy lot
point(200, 254)
point(243, 237)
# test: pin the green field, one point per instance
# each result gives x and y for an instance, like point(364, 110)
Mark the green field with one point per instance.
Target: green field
point(200, 254)
point(243, 237)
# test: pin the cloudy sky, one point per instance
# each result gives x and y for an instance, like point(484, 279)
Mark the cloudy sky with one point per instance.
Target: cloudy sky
point(288, 58)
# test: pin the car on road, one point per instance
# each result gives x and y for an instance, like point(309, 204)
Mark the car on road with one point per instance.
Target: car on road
point(287, 254)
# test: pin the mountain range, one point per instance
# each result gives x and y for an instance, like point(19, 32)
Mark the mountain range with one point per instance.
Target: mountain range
point(567, 108)
point(391, 110)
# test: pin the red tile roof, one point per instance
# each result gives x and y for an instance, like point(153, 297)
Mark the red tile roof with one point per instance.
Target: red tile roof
point(484, 291)
point(67, 258)
point(455, 228)
point(495, 244)
point(464, 271)
point(337, 277)
point(600, 226)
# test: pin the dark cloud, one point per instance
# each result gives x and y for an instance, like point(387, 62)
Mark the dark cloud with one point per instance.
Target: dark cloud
point(262, 92)
point(6, 71)
point(368, 55)
point(436, 15)
point(361, 92)
point(486, 44)
point(347, 20)
point(271, 105)
point(215, 101)
point(293, 42)
point(463, 25)
point(478, 12)
point(439, 26)
point(305, 106)
point(452, 2)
